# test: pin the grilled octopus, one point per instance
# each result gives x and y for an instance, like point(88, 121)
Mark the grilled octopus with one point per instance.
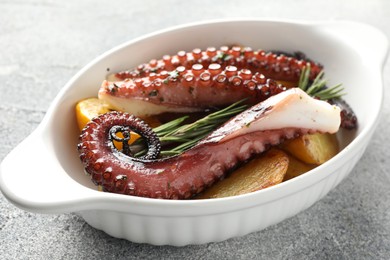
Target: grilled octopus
point(283, 116)
point(191, 82)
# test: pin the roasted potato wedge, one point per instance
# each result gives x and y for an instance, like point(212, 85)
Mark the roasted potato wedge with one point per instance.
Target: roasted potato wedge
point(89, 108)
point(296, 168)
point(313, 149)
point(261, 172)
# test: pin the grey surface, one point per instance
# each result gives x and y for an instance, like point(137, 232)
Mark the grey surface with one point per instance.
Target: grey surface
point(44, 43)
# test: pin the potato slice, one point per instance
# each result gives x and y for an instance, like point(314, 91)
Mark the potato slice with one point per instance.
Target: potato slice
point(261, 172)
point(313, 149)
point(89, 108)
point(296, 168)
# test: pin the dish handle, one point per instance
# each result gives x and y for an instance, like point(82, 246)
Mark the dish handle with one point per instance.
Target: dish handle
point(33, 179)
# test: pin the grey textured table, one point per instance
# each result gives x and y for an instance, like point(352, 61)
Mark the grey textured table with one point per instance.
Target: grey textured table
point(44, 43)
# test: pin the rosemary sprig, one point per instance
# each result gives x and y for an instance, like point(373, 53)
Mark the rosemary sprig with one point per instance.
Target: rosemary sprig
point(317, 88)
point(304, 78)
point(213, 119)
point(169, 126)
point(185, 136)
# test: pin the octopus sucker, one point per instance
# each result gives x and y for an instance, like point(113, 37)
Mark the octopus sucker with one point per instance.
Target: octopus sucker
point(276, 65)
point(281, 116)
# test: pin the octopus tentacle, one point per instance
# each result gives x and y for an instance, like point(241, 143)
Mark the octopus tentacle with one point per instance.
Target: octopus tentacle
point(188, 90)
point(114, 123)
point(191, 90)
point(348, 117)
point(211, 69)
point(282, 116)
point(279, 66)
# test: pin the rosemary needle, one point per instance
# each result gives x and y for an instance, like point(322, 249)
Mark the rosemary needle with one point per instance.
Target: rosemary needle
point(318, 87)
point(187, 135)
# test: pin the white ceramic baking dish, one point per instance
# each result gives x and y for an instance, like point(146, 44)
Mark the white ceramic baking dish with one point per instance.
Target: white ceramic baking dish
point(51, 179)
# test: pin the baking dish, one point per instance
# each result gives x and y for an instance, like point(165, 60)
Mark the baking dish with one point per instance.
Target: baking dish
point(51, 178)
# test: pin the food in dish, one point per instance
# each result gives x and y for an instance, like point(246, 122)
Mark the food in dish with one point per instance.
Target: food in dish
point(192, 81)
point(232, 74)
point(286, 115)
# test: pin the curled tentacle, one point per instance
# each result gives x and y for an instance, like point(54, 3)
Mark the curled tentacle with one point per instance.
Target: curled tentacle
point(279, 117)
point(114, 123)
